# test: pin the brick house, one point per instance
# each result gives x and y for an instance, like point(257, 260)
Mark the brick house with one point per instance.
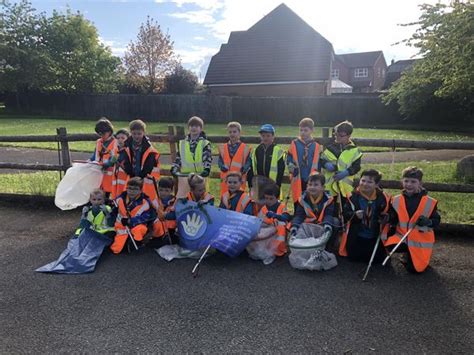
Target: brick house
point(365, 71)
point(280, 55)
point(395, 70)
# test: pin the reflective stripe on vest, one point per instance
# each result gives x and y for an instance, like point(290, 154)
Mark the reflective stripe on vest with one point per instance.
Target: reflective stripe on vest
point(99, 222)
point(294, 153)
point(277, 154)
point(192, 163)
point(243, 202)
point(104, 153)
point(345, 160)
point(263, 215)
point(207, 197)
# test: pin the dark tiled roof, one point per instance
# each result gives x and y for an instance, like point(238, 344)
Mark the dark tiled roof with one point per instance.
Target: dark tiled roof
point(400, 65)
point(279, 47)
point(358, 60)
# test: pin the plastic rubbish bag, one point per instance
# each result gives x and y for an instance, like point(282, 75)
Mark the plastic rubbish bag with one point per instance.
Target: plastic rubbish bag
point(262, 247)
point(307, 249)
point(170, 252)
point(75, 187)
point(81, 254)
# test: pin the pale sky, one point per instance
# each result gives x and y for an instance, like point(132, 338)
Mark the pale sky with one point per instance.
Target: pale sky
point(199, 27)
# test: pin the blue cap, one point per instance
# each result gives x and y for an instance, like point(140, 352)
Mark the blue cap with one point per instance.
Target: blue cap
point(267, 128)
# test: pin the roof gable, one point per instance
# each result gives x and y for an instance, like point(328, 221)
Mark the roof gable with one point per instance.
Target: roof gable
point(358, 60)
point(279, 47)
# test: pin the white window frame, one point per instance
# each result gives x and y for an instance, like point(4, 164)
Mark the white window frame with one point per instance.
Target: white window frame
point(335, 74)
point(361, 72)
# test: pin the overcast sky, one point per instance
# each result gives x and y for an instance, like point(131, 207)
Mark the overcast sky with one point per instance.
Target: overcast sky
point(198, 27)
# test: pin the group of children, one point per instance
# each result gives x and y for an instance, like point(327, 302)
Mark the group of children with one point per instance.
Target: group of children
point(321, 185)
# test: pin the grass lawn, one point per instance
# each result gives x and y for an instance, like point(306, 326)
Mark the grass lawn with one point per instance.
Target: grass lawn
point(454, 207)
point(27, 125)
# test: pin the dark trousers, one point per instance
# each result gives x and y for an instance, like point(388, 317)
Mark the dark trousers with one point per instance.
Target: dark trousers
point(360, 249)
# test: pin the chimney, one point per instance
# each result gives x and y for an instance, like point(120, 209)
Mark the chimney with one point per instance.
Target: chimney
point(392, 61)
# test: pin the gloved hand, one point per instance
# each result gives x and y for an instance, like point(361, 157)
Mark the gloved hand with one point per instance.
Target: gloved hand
point(383, 218)
point(296, 171)
point(271, 214)
point(359, 214)
point(424, 221)
point(125, 222)
point(293, 231)
point(85, 223)
point(341, 175)
point(225, 168)
point(327, 228)
point(85, 210)
point(330, 167)
point(174, 170)
point(205, 172)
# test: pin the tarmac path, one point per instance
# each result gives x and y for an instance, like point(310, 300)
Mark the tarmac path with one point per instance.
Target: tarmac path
point(141, 303)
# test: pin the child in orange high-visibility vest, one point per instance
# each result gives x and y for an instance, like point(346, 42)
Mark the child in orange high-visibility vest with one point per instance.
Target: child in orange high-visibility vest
point(165, 223)
point(415, 212)
point(266, 246)
point(236, 199)
point(303, 158)
point(135, 213)
point(120, 177)
point(234, 156)
point(106, 153)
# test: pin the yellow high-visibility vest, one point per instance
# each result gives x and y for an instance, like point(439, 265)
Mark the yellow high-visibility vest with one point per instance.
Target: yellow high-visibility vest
point(276, 156)
point(192, 163)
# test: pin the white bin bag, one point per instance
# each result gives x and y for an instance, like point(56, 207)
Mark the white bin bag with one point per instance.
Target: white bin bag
point(262, 247)
point(75, 187)
point(307, 249)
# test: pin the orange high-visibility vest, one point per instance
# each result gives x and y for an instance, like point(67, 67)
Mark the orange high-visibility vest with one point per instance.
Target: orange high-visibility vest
point(207, 197)
point(345, 231)
point(148, 185)
point(242, 204)
point(234, 164)
point(161, 226)
point(420, 241)
point(102, 154)
point(310, 215)
point(296, 188)
point(279, 240)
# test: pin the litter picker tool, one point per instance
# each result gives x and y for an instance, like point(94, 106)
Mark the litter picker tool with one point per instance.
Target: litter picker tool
point(396, 246)
point(196, 267)
point(129, 232)
point(372, 257)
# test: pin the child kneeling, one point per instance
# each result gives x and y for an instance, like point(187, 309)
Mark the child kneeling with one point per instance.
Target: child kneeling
point(235, 198)
point(135, 212)
point(415, 214)
point(271, 240)
point(312, 227)
point(97, 215)
point(165, 222)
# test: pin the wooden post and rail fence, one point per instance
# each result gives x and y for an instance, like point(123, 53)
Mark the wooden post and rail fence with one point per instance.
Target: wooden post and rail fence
point(177, 133)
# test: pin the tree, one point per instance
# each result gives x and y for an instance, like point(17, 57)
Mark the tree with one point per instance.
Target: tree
point(442, 81)
point(22, 50)
point(180, 81)
point(149, 59)
point(78, 62)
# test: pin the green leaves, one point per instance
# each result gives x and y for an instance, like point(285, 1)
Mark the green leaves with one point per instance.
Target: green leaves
point(442, 82)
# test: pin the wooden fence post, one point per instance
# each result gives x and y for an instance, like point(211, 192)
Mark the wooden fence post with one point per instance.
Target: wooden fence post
point(65, 154)
point(172, 142)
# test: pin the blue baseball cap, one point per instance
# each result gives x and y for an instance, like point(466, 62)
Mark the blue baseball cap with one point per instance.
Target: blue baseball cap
point(267, 128)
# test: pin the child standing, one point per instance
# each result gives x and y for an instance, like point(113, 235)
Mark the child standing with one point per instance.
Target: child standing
point(106, 152)
point(341, 160)
point(234, 156)
point(365, 212)
point(235, 199)
point(120, 177)
point(415, 212)
point(303, 158)
point(268, 158)
point(97, 215)
point(135, 212)
point(141, 159)
point(194, 153)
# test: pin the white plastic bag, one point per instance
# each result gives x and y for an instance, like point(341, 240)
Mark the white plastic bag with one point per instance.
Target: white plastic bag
point(262, 247)
point(170, 252)
point(307, 249)
point(75, 187)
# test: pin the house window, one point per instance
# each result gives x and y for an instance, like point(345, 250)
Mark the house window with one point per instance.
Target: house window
point(361, 72)
point(335, 74)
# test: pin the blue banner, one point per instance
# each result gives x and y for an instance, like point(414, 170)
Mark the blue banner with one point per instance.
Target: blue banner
point(81, 254)
point(225, 230)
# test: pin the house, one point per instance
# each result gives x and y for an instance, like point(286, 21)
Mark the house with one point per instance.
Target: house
point(395, 70)
point(280, 55)
point(364, 72)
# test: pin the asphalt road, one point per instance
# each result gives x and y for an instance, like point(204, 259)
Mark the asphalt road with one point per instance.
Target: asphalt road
point(141, 303)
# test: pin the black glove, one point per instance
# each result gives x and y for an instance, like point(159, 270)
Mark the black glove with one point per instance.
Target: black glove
point(206, 173)
point(424, 221)
point(174, 170)
point(293, 230)
point(125, 222)
point(327, 228)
